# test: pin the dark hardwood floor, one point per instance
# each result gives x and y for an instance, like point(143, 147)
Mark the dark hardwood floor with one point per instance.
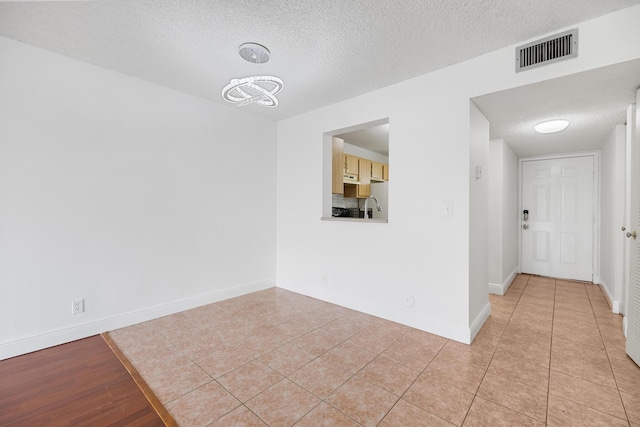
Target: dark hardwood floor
point(79, 383)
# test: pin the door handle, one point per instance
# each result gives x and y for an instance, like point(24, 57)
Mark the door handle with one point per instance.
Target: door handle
point(632, 235)
point(526, 227)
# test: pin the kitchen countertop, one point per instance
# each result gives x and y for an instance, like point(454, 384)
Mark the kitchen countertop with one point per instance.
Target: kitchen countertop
point(347, 219)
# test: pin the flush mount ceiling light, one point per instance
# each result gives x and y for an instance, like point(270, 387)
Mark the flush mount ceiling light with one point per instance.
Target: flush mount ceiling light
point(261, 89)
point(552, 126)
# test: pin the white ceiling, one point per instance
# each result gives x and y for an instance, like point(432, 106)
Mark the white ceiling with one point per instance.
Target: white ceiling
point(324, 50)
point(374, 138)
point(331, 50)
point(594, 102)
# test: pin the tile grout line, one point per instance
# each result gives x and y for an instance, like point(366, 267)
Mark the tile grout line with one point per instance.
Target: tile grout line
point(601, 322)
point(624, 408)
point(149, 394)
point(321, 400)
point(413, 382)
point(364, 379)
point(584, 285)
point(493, 353)
point(287, 341)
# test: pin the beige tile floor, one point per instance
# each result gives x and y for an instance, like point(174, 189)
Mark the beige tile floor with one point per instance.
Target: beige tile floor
point(552, 353)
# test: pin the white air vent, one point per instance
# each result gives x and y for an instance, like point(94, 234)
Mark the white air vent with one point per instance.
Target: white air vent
point(547, 51)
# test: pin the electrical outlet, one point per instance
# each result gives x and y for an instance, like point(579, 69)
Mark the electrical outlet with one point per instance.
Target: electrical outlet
point(408, 300)
point(77, 306)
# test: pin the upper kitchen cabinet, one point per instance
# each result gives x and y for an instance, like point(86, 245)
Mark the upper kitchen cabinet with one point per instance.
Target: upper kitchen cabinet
point(385, 172)
point(351, 165)
point(337, 166)
point(364, 188)
point(377, 171)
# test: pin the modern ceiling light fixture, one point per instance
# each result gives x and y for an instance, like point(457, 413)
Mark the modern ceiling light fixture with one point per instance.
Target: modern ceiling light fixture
point(254, 52)
point(552, 126)
point(261, 89)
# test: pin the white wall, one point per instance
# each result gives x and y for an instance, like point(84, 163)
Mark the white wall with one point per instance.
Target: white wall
point(478, 220)
point(612, 176)
point(510, 230)
point(139, 199)
point(495, 177)
point(503, 217)
point(118, 191)
point(419, 252)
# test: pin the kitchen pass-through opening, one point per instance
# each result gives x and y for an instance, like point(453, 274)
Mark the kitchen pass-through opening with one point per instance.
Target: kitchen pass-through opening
point(356, 172)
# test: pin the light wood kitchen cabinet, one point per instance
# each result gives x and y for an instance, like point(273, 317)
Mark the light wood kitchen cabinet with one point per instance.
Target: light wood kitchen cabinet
point(351, 164)
point(364, 170)
point(364, 189)
point(377, 170)
point(337, 166)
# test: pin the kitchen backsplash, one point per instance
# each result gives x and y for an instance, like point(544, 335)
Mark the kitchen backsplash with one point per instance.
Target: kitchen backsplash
point(339, 201)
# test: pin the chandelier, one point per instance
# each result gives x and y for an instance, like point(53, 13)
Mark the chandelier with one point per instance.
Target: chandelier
point(259, 90)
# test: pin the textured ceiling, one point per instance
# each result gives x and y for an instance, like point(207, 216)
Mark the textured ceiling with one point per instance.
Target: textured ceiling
point(324, 50)
point(593, 101)
point(374, 138)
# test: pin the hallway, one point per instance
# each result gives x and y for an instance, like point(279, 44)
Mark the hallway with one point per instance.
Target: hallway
point(552, 353)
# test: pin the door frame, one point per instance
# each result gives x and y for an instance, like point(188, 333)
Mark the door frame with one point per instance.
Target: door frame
point(632, 135)
point(595, 274)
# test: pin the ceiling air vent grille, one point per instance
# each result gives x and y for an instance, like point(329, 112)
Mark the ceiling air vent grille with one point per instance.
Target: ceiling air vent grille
point(548, 50)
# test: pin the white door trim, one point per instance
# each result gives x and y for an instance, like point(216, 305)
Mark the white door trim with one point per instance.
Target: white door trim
point(596, 203)
point(626, 275)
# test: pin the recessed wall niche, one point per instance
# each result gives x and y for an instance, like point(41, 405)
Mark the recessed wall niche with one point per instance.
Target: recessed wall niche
point(356, 168)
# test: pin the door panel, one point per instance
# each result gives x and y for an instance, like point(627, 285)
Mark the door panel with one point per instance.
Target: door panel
point(558, 238)
point(542, 204)
point(569, 203)
point(541, 246)
point(568, 248)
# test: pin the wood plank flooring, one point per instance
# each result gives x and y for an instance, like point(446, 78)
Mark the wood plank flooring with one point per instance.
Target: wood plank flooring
point(79, 383)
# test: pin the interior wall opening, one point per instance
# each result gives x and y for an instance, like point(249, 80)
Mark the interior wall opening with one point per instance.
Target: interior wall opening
point(356, 171)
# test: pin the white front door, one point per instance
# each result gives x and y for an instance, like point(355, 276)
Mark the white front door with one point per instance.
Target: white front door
point(633, 312)
point(557, 237)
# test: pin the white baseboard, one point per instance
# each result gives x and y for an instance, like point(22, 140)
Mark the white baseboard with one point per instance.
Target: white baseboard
point(613, 303)
point(405, 315)
point(496, 289)
point(64, 335)
point(477, 323)
point(615, 306)
point(501, 289)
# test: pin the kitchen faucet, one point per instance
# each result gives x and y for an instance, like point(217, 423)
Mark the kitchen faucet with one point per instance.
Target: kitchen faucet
point(366, 206)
